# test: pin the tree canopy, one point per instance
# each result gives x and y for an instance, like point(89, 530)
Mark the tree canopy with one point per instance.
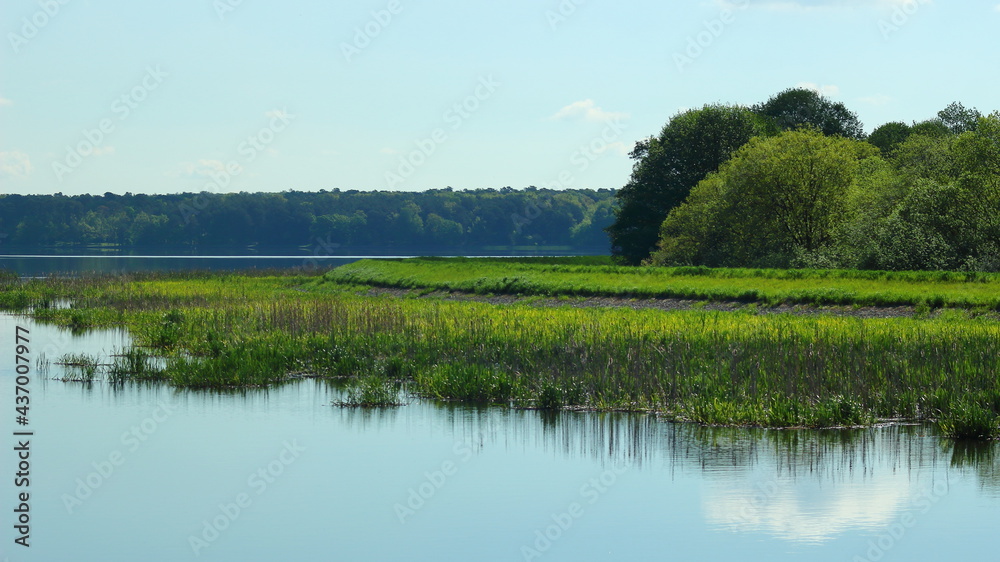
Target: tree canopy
point(927, 198)
point(442, 218)
point(776, 197)
point(796, 107)
point(692, 144)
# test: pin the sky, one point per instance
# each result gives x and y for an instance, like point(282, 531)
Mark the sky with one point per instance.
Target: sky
point(254, 95)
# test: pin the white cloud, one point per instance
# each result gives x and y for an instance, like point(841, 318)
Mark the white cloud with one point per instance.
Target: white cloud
point(588, 110)
point(791, 515)
point(877, 99)
point(197, 170)
point(5, 101)
point(996, 8)
point(15, 164)
point(828, 90)
point(103, 151)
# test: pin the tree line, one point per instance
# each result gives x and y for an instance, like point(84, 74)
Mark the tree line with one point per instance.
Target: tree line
point(441, 218)
point(795, 182)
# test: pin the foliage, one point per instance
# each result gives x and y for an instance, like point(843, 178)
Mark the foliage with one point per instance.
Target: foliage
point(960, 119)
point(888, 136)
point(776, 198)
point(329, 220)
point(795, 107)
point(693, 144)
point(804, 200)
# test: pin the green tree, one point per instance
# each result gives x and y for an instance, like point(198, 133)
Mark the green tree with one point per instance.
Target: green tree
point(443, 232)
point(889, 136)
point(959, 119)
point(691, 145)
point(795, 107)
point(777, 199)
point(931, 128)
point(940, 212)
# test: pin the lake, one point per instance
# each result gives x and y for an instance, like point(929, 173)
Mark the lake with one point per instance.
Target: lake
point(39, 262)
point(151, 473)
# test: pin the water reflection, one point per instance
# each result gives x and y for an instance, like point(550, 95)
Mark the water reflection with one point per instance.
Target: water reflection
point(980, 459)
point(806, 487)
point(802, 489)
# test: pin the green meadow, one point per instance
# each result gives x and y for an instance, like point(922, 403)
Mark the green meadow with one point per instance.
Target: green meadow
point(575, 277)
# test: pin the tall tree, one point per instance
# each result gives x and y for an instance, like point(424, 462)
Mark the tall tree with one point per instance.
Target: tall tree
point(777, 198)
point(959, 119)
point(690, 146)
point(796, 107)
point(889, 136)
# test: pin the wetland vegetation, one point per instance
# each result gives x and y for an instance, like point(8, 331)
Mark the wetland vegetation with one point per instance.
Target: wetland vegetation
point(223, 331)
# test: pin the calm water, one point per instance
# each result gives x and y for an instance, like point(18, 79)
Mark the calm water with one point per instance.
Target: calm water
point(150, 473)
point(40, 262)
point(37, 265)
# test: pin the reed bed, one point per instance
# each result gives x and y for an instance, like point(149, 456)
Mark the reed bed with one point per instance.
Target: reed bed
point(719, 368)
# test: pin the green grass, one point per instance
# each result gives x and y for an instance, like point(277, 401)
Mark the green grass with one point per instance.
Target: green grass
point(767, 286)
point(134, 364)
point(371, 392)
point(970, 421)
point(80, 367)
point(711, 367)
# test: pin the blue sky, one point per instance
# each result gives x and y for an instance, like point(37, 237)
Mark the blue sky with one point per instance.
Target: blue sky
point(255, 95)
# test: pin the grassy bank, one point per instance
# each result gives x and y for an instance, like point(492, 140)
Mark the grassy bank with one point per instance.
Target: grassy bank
point(765, 286)
point(709, 367)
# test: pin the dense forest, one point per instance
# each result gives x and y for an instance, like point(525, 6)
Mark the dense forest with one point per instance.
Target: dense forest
point(795, 182)
point(444, 218)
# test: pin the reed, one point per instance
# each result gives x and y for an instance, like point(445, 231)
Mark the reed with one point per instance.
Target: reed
point(970, 421)
point(80, 367)
point(371, 391)
point(711, 367)
point(134, 364)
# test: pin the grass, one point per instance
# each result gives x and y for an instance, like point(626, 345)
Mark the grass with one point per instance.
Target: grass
point(711, 367)
point(970, 421)
point(553, 277)
point(81, 367)
point(371, 392)
point(134, 364)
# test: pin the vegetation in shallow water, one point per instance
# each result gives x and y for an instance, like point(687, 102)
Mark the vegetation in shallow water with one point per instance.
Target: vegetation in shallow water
point(725, 368)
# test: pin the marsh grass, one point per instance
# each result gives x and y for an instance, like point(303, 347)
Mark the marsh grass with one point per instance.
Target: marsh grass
point(80, 367)
point(134, 364)
point(715, 368)
point(371, 391)
point(970, 421)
